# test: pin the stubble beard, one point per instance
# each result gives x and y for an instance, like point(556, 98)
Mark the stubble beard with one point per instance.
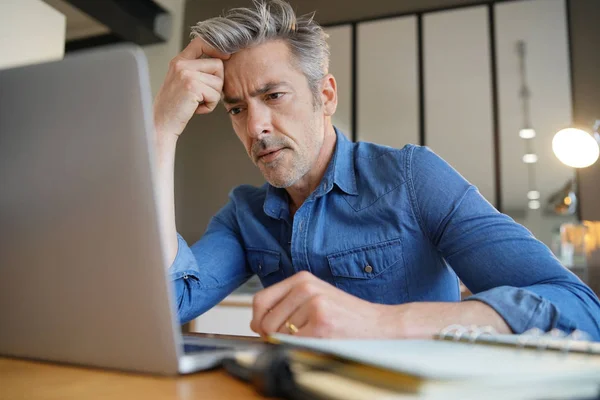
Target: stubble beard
point(276, 172)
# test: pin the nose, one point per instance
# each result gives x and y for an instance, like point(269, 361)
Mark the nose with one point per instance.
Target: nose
point(258, 120)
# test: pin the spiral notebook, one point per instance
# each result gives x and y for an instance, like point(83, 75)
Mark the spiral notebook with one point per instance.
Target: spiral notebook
point(460, 363)
point(576, 342)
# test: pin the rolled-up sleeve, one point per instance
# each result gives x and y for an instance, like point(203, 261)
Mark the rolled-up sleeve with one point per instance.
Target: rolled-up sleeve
point(206, 272)
point(497, 259)
point(185, 263)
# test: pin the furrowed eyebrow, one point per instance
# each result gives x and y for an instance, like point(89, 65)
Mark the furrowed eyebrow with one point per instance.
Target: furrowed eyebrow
point(262, 90)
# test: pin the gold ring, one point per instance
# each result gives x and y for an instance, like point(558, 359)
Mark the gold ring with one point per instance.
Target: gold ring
point(291, 327)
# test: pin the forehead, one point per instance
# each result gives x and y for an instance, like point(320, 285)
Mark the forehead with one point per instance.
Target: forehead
point(251, 68)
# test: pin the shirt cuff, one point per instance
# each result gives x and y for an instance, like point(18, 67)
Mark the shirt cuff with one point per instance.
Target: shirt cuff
point(522, 309)
point(185, 263)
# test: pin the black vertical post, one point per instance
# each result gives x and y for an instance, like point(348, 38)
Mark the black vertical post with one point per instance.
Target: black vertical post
point(573, 105)
point(354, 83)
point(421, 69)
point(495, 118)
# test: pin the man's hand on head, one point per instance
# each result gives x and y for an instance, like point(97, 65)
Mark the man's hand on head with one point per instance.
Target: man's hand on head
point(193, 85)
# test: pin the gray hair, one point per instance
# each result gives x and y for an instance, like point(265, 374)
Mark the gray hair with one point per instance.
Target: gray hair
point(240, 28)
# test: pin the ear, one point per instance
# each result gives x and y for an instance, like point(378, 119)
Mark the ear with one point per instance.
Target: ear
point(329, 95)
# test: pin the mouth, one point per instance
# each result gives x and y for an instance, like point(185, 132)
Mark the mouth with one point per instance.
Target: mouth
point(268, 156)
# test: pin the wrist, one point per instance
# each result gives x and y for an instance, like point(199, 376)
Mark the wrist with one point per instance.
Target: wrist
point(395, 321)
point(482, 314)
point(164, 128)
point(165, 146)
point(163, 133)
point(166, 140)
point(425, 320)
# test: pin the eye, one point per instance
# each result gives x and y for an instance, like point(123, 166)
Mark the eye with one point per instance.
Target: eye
point(275, 96)
point(235, 111)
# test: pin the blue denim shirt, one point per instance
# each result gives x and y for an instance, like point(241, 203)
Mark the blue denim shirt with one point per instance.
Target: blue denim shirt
point(389, 226)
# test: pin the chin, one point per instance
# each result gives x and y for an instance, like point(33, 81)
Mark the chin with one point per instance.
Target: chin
point(280, 182)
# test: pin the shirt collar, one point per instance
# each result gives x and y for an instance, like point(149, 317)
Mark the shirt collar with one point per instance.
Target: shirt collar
point(340, 172)
point(344, 175)
point(276, 203)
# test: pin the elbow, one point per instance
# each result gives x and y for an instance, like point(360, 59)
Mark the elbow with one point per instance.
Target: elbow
point(184, 299)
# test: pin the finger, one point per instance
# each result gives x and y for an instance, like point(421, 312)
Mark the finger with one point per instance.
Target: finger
point(310, 329)
point(266, 299)
point(298, 320)
point(212, 66)
point(208, 98)
point(211, 81)
point(315, 317)
point(196, 81)
point(285, 309)
point(204, 108)
point(198, 47)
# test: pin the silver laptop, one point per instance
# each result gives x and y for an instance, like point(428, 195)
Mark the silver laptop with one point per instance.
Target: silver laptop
point(82, 265)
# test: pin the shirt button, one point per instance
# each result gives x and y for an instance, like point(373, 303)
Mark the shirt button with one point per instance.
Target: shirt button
point(185, 277)
point(260, 267)
point(368, 269)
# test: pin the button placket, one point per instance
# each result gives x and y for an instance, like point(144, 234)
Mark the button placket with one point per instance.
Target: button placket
point(299, 237)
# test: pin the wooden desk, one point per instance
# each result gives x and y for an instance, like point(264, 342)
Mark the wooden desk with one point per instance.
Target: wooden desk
point(21, 379)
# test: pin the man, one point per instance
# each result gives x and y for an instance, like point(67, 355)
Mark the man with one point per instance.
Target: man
point(349, 239)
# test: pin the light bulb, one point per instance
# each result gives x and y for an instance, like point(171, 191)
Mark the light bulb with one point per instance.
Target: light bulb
point(575, 148)
point(534, 204)
point(527, 133)
point(533, 195)
point(530, 158)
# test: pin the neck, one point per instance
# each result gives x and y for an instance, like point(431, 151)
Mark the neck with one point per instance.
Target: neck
point(300, 191)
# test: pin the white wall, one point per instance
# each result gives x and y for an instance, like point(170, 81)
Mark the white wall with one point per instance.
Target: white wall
point(388, 94)
point(30, 32)
point(159, 55)
point(340, 66)
point(458, 93)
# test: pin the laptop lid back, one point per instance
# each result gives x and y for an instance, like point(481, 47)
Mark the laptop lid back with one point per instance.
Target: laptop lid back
point(82, 268)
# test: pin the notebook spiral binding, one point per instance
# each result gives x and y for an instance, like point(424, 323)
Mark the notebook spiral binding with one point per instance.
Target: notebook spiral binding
point(555, 339)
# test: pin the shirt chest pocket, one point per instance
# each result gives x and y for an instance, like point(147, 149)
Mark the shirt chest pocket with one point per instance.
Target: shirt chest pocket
point(374, 273)
point(265, 264)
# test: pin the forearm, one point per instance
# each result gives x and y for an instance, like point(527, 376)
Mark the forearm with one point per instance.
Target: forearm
point(165, 145)
point(565, 304)
point(424, 320)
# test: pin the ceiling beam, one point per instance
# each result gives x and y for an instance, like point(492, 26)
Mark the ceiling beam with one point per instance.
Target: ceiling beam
point(93, 41)
point(142, 22)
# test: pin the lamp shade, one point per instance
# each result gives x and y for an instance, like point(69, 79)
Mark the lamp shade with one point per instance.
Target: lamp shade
point(575, 147)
